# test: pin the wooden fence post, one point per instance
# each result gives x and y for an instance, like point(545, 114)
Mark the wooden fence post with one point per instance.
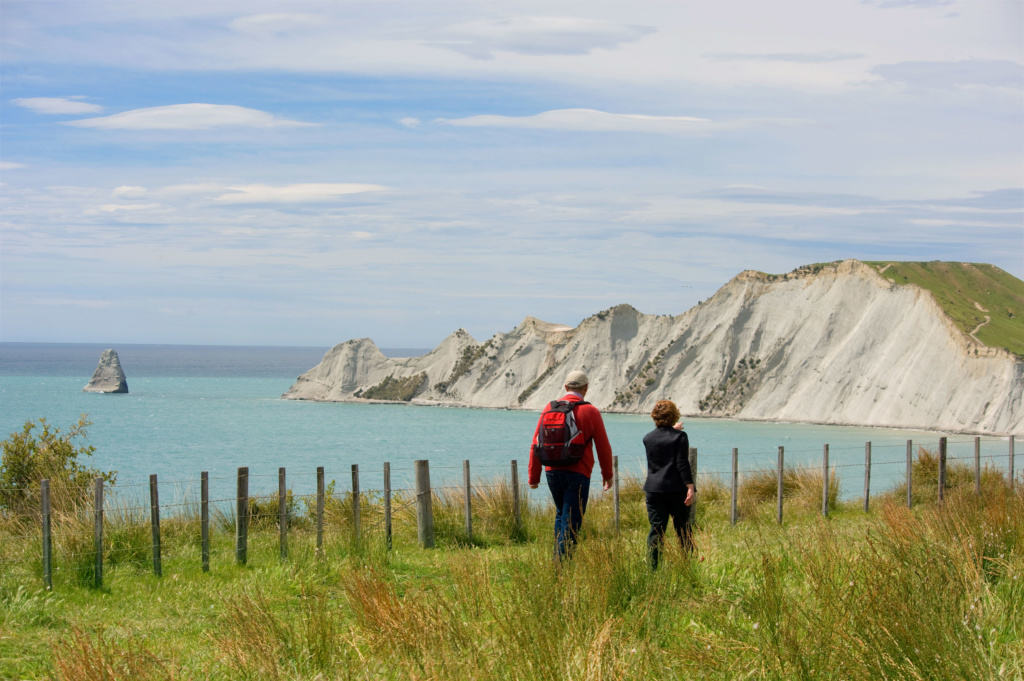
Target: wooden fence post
point(204, 518)
point(867, 475)
point(910, 473)
point(424, 505)
point(469, 500)
point(356, 509)
point(242, 516)
point(1012, 473)
point(518, 518)
point(942, 469)
point(735, 485)
point(977, 466)
point(44, 499)
point(282, 513)
point(824, 483)
point(387, 505)
point(778, 501)
point(154, 515)
point(319, 510)
point(615, 490)
point(97, 577)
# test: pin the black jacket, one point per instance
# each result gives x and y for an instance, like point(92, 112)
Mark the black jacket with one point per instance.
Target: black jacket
point(668, 460)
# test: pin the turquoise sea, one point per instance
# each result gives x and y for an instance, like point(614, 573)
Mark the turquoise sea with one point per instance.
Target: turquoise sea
point(216, 408)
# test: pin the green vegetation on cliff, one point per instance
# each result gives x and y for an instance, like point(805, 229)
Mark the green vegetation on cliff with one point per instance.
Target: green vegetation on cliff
point(398, 389)
point(980, 299)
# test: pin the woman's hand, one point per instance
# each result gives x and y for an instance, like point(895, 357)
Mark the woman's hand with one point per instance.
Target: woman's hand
point(689, 495)
point(678, 426)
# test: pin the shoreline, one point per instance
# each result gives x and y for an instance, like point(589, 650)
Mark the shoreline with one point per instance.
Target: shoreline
point(709, 417)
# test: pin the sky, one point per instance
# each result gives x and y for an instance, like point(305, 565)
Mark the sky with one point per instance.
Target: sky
point(264, 173)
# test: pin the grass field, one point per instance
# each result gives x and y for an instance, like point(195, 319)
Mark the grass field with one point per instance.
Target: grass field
point(971, 294)
point(927, 593)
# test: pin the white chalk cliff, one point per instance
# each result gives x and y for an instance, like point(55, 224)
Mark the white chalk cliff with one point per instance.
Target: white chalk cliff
point(109, 376)
point(834, 344)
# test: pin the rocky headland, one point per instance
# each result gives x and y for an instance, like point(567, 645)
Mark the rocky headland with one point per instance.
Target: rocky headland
point(836, 343)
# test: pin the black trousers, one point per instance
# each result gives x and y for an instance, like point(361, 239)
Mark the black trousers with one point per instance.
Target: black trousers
point(660, 507)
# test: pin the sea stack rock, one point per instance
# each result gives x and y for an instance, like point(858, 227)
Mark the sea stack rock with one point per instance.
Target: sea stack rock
point(108, 377)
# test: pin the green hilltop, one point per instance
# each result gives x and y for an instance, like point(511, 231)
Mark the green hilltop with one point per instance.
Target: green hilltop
point(974, 295)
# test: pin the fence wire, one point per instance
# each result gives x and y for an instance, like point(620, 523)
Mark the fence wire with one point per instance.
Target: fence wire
point(121, 503)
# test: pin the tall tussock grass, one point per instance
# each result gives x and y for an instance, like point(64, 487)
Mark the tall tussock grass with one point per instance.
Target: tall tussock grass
point(103, 657)
point(74, 548)
point(127, 540)
point(493, 519)
point(532, 619)
point(801, 490)
point(339, 509)
point(959, 475)
point(299, 639)
point(911, 601)
point(264, 511)
point(937, 571)
point(931, 592)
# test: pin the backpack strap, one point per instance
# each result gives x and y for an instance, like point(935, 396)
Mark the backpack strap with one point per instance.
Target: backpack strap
point(557, 403)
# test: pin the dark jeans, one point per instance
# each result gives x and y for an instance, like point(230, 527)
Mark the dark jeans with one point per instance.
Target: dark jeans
point(570, 491)
point(661, 506)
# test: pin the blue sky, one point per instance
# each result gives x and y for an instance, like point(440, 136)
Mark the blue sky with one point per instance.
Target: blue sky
point(302, 173)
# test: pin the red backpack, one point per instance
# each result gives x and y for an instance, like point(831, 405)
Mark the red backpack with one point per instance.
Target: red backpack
point(559, 442)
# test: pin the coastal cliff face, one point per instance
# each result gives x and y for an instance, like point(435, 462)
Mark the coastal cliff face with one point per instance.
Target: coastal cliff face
point(833, 344)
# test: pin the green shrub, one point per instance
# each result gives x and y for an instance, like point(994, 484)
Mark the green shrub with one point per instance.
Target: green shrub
point(41, 451)
point(265, 511)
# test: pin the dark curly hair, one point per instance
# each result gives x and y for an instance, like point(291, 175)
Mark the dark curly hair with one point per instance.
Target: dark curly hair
point(665, 413)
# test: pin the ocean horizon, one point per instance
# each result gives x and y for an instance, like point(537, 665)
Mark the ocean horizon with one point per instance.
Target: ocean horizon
point(193, 408)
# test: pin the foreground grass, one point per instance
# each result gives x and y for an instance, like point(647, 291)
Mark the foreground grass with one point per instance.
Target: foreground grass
point(929, 593)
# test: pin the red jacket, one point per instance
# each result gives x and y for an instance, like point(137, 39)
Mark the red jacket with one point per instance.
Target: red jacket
point(590, 423)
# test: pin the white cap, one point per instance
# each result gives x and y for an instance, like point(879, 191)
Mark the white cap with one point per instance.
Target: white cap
point(576, 379)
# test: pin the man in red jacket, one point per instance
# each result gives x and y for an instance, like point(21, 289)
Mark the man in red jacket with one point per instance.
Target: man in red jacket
point(570, 485)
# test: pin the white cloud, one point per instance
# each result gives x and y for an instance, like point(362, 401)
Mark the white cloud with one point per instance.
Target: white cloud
point(943, 75)
point(890, 4)
point(536, 36)
point(123, 208)
point(10, 165)
point(938, 222)
point(91, 303)
point(295, 193)
point(795, 57)
point(803, 44)
point(276, 24)
point(592, 120)
point(938, 208)
point(191, 189)
point(669, 210)
point(57, 105)
point(129, 192)
point(194, 116)
point(877, 175)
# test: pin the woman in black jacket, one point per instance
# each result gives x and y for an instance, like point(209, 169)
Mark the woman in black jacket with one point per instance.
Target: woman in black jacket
point(669, 486)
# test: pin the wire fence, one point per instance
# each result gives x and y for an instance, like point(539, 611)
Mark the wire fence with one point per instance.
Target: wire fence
point(362, 512)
